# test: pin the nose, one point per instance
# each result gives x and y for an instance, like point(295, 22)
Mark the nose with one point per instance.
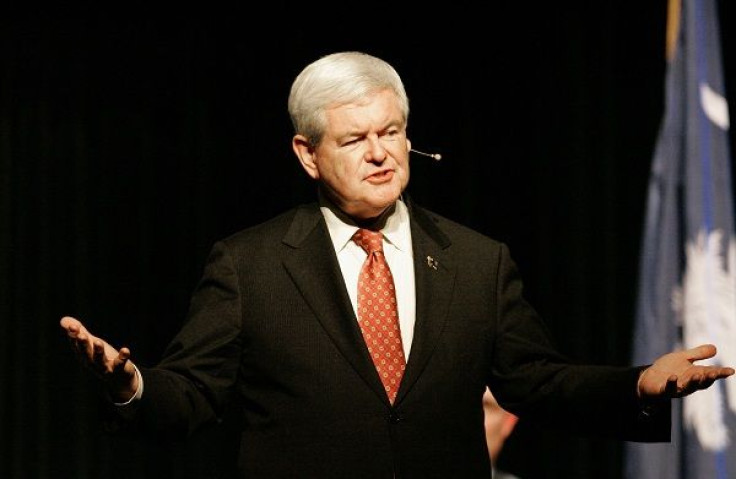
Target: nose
point(376, 152)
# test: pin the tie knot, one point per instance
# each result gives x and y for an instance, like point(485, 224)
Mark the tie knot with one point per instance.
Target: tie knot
point(370, 241)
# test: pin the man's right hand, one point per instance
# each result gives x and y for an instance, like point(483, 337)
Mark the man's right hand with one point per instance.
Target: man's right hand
point(112, 366)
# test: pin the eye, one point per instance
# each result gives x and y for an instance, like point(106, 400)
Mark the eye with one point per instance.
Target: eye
point(392, 134)
point(352, 141)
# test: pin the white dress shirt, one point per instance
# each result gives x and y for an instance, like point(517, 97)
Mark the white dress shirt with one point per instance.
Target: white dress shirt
point(398, 253)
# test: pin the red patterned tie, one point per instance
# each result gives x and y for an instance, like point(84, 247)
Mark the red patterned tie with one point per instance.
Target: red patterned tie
point(377, 312)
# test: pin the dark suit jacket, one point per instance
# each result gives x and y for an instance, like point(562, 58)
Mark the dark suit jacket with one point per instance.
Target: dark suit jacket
point(271, 329)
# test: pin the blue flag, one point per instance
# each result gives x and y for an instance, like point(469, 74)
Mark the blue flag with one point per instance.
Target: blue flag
point(687, 283)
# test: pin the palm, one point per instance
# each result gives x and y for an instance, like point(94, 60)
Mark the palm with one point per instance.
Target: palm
point(676, 374)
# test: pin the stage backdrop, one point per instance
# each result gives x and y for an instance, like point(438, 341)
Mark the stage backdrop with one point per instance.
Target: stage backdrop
point(131, 140)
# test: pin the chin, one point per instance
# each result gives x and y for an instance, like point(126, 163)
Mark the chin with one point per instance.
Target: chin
point(372, 205)
point(372, 210)
point(388, 196)
point(381, 205)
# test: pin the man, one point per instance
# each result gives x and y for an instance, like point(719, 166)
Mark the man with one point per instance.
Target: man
point(280, 323)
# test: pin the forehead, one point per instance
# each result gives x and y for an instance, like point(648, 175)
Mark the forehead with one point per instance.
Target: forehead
point(375, 110)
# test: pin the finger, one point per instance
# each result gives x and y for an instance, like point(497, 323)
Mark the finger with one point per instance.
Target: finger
point(124, 354)
point(704, 351)
point(73, 330)
point(82, 343)
point(92, 343)
point(123, 357)
point(81, 336)
point(720, 373)
point(698, 382)
point(690, 383)
point(71, 325)
point(84, 351)
point(670, 387)
point(98, 352)
point(706, 383)
point(68, 321)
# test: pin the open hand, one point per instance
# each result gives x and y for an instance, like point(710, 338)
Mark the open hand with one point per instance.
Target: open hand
point(676, 375)
point(112, 366)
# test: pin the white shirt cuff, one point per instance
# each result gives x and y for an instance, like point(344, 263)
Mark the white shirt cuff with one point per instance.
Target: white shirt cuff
point(138, 392)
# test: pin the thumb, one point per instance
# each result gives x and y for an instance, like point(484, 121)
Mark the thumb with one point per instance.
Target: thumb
point(704, 351)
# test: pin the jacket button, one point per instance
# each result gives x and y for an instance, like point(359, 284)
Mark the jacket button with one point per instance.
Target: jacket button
point(394, 418)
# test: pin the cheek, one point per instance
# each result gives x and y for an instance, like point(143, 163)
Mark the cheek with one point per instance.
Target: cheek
point(340, 174)
point(405, 165)
point(404, 169)
point(344, 172)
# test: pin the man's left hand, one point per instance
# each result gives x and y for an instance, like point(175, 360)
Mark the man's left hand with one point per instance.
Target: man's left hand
point(676, 375)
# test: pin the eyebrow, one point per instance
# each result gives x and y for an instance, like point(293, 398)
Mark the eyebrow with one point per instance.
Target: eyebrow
point(391, 124)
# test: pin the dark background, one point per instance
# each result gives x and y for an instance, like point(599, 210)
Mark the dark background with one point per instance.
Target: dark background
point(131, 140)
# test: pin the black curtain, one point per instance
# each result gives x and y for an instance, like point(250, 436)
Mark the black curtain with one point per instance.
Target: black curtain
point(131, 140)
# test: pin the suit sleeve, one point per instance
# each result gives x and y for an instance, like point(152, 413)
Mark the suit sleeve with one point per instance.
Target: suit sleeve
point(192, 384)
point(534, 380)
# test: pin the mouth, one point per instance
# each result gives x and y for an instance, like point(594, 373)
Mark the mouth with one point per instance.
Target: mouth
point(382, 176)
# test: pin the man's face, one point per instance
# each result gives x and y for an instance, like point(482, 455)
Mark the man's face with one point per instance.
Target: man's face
point(362, 161)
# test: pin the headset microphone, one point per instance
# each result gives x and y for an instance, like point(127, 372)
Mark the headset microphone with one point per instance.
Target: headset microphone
point(435, 156)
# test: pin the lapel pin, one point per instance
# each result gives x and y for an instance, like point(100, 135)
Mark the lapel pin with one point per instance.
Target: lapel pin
point(431, 262)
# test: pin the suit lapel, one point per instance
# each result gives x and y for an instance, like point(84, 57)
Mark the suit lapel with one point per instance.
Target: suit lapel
point(434, 277)
point(313, 267)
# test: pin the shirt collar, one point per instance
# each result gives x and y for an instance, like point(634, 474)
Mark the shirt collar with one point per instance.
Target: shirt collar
point(396, 230)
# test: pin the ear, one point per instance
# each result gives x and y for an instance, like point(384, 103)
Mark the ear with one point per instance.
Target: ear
point(305, 152)
point(408, 145)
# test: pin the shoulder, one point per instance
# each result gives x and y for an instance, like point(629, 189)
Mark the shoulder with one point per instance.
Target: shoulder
point(451, 232)
point(273, 232)
point(470, 250)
